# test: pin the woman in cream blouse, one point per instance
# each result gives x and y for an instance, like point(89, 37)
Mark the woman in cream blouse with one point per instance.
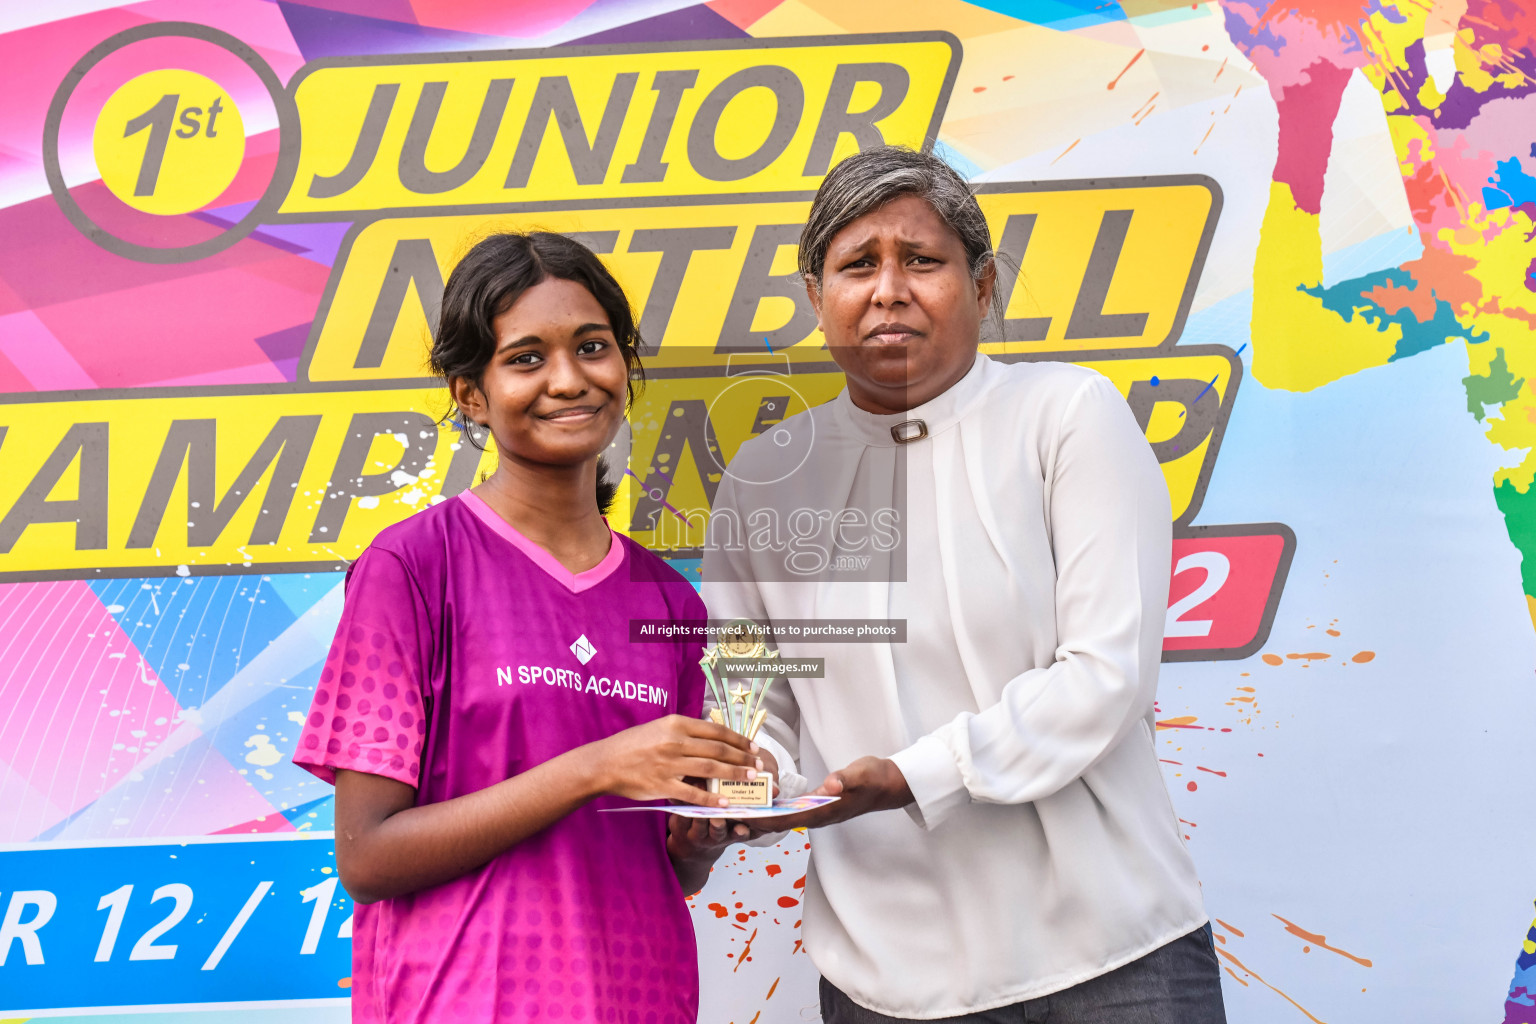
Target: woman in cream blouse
point(1004, 847)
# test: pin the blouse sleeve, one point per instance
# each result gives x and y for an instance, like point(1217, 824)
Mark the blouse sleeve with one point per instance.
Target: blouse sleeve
point(1111, 535)
point(368, 710)
point(730, 591)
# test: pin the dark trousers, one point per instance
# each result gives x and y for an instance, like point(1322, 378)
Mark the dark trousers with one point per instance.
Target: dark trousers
point(1179, 983)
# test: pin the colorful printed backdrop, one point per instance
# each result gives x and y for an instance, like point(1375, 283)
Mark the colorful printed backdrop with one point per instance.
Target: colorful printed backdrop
point(1298, 236)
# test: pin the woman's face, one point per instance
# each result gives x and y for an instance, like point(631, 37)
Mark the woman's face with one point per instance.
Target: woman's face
point(898, 306)
point(554, 391)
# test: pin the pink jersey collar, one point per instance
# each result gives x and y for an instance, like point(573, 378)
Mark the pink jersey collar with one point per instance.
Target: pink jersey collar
point(574, 582)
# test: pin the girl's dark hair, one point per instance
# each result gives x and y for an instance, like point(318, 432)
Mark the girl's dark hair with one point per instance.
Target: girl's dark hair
point(492, 276)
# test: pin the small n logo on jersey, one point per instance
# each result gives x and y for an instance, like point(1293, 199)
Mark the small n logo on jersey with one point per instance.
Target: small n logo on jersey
point(583, 649)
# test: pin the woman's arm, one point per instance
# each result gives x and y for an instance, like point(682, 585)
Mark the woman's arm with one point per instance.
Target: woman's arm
point(731, 592)
point(1111, 539)
point(386, 846)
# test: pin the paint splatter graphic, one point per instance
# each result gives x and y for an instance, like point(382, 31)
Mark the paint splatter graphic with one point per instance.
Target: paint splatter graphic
point(1244, 975)
point(751, 903)
point(1520, 1004)
point(1464, 132)
point(1463, 135)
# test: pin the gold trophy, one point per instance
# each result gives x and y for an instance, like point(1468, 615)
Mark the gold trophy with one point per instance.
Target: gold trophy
point(739, 706)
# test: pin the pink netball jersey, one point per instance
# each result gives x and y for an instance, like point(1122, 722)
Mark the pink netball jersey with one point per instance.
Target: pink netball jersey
point(467, 654)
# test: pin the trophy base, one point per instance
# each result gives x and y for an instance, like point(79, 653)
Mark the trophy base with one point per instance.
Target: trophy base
point(756, 793)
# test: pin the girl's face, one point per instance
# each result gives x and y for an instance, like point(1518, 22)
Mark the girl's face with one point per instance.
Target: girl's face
point(554, 391)
point(899, 307)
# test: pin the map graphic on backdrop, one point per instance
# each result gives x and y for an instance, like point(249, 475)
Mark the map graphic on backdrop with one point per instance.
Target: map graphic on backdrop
point(228, 229)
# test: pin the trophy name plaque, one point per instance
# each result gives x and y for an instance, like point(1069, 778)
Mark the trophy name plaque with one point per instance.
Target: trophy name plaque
point(739, 706)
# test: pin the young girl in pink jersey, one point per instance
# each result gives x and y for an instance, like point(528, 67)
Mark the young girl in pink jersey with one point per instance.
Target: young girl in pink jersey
point(483, 700)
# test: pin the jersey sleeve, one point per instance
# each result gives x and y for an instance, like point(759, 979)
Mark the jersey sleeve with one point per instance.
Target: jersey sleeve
point(368, 710)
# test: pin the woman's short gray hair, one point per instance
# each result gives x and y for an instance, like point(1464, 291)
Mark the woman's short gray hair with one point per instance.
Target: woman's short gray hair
point(868, 180)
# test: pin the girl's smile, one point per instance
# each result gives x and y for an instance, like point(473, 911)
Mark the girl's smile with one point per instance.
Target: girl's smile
point(553, 393)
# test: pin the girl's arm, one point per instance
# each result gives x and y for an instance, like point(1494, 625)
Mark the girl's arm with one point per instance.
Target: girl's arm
point(694, 844)
point(386, 846)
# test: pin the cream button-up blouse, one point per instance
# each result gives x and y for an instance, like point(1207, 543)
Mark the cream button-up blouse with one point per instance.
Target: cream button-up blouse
point(1029, 532)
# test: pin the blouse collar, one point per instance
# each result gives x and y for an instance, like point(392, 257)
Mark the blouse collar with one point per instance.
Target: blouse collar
point(937, 414)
